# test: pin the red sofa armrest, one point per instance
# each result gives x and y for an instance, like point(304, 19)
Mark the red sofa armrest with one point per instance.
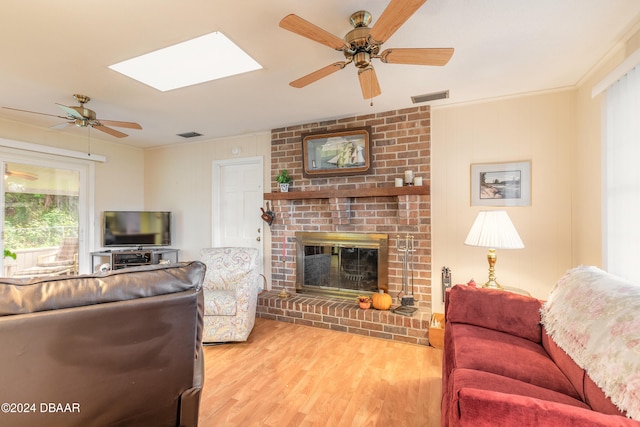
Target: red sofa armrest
point(502, 311)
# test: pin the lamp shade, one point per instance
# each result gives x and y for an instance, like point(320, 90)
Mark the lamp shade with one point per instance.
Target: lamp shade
point(494, 229)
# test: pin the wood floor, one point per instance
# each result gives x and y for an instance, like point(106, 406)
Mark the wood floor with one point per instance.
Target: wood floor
point(294, 375)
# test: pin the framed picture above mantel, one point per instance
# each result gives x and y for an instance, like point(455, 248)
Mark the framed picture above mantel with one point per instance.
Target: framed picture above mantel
point(337, 153)
point(501, 184)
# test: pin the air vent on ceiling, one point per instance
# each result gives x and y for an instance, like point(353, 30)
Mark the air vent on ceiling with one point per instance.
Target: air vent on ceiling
point(189, 134)
point(430, 97)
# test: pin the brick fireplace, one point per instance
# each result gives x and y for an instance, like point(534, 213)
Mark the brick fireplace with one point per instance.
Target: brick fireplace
point(361, 204)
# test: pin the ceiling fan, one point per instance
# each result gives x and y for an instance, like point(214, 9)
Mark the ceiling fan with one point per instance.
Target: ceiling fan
point(19, 174)
point(83, 117)
point(362, 44)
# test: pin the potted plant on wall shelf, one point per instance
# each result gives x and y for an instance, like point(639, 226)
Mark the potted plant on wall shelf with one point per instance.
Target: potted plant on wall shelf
point(283, 179)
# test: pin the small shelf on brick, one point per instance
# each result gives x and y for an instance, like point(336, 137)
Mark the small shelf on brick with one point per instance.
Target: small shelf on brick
point(349, 192)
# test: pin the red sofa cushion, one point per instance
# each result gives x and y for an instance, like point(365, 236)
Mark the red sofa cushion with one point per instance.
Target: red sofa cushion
point(573, 372)
point(482, 408)
point(467, 378)
point(584, 385)
point(503, 354)
point(598, 401)
point(493, 309)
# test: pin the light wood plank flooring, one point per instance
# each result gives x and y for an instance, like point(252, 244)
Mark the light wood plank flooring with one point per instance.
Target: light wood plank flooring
point(294, 375)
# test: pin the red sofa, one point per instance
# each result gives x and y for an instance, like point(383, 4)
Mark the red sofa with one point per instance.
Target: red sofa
point(501, 368)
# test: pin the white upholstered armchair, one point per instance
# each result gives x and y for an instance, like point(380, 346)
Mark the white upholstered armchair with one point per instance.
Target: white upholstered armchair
point(231, 286)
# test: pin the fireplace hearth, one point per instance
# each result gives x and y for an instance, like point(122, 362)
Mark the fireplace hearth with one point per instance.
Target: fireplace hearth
point(341, 265)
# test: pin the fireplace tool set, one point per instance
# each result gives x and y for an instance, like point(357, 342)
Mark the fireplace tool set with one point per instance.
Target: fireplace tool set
point(405, 250)
point(283, 293)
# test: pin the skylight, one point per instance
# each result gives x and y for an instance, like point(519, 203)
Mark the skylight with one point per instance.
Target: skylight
point(209, 57)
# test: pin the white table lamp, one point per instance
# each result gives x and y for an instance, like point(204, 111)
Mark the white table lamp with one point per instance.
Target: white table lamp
point(493, 230)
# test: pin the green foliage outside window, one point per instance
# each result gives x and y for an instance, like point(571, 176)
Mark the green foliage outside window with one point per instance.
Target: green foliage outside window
point(39, 220)
point(9, 254)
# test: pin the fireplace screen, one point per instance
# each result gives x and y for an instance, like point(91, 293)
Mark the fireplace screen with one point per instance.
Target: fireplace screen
point(341, 264)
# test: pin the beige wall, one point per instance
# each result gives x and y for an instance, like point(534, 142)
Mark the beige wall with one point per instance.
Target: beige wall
point(178, 179)
point(540, 128)
point(559, 132)
point(119, 182)
point(587, 178)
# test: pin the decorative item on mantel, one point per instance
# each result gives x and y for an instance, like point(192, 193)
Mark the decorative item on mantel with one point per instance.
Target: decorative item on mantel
point(284, 179)
point(408, 177)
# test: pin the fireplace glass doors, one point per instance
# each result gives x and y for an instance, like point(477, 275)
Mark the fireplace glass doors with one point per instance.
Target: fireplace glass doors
point(341, 264)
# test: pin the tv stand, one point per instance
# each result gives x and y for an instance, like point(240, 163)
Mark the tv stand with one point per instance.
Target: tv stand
point(122, 258)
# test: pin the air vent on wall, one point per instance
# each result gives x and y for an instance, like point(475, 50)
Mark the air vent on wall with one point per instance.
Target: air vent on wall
point(189, 134)
point(430, 97)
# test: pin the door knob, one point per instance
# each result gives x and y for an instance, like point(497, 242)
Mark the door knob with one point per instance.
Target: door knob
point(258, 239)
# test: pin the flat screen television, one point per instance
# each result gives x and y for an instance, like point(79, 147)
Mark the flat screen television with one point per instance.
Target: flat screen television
point(136, 228)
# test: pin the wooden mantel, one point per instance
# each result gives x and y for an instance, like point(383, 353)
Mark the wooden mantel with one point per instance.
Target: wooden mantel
point(349, 192)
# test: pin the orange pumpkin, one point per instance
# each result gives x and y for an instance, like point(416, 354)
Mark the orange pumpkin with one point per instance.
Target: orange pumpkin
point(382, 301)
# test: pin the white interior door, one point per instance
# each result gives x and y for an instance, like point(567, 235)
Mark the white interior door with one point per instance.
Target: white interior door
point(237, 199)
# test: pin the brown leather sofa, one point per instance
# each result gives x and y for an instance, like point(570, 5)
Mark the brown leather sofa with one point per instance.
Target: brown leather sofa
point(117, 349)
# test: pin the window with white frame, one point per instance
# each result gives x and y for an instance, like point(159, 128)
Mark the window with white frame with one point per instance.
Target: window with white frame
point(621, 177)
point(46, 199)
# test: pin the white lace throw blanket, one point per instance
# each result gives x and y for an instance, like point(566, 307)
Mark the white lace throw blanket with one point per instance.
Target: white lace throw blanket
point(595, 317)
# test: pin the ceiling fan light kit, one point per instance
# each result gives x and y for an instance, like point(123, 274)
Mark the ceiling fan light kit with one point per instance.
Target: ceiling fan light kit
point(362, 44)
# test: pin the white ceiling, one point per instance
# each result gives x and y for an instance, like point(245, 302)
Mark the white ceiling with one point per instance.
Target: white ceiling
point(50, 50)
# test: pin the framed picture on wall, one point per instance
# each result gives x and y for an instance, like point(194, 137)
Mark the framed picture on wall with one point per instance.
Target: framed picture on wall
point(345, 152)
point(501, 184)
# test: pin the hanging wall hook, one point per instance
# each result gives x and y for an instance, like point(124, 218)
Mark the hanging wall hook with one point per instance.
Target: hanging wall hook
point(268, 216)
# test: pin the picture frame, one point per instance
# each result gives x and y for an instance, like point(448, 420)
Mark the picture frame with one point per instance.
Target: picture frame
point(338, 153)
point(501, 184)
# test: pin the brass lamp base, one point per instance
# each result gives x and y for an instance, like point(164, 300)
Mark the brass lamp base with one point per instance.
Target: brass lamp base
point(492, 283)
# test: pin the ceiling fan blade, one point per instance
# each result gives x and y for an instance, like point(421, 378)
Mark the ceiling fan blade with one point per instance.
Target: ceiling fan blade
point(395, 14)
point(34, 112)
point(62, 125)
point(70, 112)
point(306, 29)
point(116, 123)
point(417, 56)
point(23, 175)
point(110, 131)
point(318, 74)
point(369, 82)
